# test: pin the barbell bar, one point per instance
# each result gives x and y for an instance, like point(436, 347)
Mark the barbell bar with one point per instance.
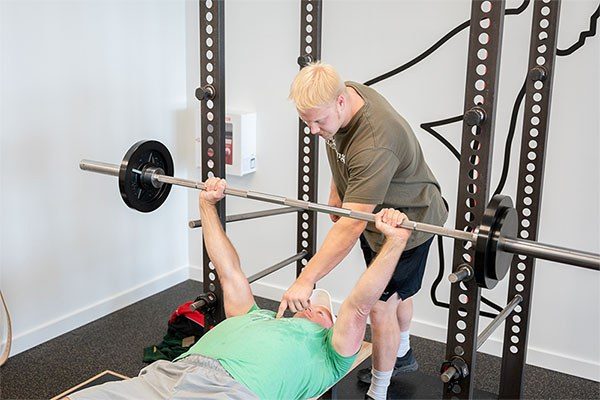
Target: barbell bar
point(146, 176)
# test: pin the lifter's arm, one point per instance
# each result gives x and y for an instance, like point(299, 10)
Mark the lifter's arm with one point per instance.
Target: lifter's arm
point(237, 295)
point(349, 328)
point(336, 246)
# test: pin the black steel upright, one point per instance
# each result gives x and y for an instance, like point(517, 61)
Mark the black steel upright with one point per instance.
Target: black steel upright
point(538, 92)
point(212, 122)
point(485, 41)
point(308, 145)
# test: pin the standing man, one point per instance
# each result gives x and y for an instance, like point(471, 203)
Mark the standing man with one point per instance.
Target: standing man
point(376, 162)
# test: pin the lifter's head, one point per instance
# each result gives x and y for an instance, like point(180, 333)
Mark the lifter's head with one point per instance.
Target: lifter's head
point(320, 310)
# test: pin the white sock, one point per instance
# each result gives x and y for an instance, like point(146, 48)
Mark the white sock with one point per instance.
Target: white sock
point(380, 380)
point(404, 344)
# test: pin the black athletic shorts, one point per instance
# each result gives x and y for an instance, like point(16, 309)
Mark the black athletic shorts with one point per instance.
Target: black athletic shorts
point(408, 275)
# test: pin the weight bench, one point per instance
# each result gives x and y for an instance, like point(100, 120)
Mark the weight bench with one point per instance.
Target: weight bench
point(107, 376)
point(365, 352)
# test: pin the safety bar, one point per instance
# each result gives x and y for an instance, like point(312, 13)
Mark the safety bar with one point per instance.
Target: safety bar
point(251, 215)
point(277, 266)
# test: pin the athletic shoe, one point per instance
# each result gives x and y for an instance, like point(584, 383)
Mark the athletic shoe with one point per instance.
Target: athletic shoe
point(407, 363)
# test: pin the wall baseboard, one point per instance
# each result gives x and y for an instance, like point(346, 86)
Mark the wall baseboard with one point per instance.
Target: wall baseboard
point(196, 273)
point(566, 364)
point(58, 326)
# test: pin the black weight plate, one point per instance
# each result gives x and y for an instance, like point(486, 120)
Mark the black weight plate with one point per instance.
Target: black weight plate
point(507, 225)
point(136, 193)
point(499, 219)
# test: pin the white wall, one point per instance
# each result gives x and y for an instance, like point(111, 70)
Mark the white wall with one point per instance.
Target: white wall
point(87, 79)
point(81, 80)
point(365, 39)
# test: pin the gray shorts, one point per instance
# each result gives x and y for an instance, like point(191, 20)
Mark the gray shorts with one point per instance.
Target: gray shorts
point(194, 377)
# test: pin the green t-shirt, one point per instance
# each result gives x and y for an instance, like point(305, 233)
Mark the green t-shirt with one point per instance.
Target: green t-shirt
point(276, 358)
point(376, 159)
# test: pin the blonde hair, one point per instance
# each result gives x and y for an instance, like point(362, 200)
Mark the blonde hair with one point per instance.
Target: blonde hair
point(316, 85)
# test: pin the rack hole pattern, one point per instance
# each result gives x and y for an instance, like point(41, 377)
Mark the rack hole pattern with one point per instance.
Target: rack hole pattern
point(212, 118)
point(482, 76)
point(537, 106)
point(310, 45)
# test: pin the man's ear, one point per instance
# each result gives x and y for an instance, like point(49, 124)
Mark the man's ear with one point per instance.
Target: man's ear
point(341, 100)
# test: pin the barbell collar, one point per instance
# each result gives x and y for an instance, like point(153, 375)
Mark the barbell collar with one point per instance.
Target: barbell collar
point(150, 174)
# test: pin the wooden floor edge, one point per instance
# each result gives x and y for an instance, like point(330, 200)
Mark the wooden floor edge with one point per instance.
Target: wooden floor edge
point(74, 388)
point(365, 352)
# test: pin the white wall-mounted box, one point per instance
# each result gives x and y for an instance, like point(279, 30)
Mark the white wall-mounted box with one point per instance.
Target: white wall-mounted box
point(240, 143)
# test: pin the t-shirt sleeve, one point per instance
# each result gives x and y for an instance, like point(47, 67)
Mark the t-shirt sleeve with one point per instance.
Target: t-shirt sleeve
point(254, 307)
point(340, 364)
point(369, 175)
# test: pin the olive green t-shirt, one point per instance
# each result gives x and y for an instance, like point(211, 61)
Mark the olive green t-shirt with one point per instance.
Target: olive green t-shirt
point(276, 358)
point(376, 159)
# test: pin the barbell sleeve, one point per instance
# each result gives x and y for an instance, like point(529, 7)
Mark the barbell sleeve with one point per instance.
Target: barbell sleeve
point(99, 167)
point(550, 252)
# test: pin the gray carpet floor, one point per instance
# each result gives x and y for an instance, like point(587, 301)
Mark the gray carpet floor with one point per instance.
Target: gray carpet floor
point(116, 342)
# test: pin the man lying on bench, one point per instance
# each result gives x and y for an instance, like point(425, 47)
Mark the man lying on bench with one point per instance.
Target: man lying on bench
point(252, 354)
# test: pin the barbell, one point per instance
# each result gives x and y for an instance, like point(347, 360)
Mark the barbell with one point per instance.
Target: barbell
point(146, 176)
